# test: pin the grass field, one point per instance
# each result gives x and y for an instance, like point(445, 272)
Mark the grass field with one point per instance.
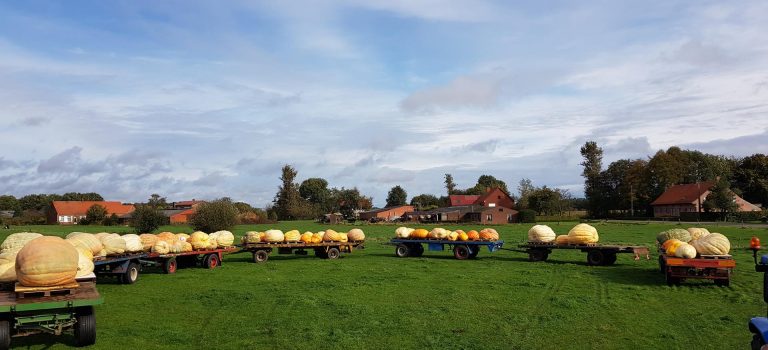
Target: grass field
point(373, 300)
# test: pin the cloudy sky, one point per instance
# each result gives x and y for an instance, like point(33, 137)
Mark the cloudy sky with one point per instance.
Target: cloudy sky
point(201, 99)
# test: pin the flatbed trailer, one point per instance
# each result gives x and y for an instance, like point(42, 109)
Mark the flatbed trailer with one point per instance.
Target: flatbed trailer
point(597, 254)
point(125, 267)
point(54, 310)
point(718, 268)
point(325, 250)
point(462, 250)
point(206, 258)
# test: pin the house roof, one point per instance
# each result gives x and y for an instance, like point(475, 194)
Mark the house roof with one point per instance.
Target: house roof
point(683, 194)
point(463, 199)
point(489, 193)
point(187, 212)
point(81, 207)
point(375, 211)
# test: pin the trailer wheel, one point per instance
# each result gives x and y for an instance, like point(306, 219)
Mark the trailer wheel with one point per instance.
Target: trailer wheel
point(723, 283)
point(170, 266)
point(260, 256)
point(333, 253)
point(5, 334)
point(211, 261)
point(85, 327)
point(131, 274)
point(416, 250)
point(473, 251)
point(662, 265)
point(402, 250)
point(461, 252)
point(595, 257)
point(757, 342)
point(537, 255)
point(610, 259)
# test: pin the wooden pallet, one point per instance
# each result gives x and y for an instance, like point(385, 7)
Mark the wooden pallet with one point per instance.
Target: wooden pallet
point(24, 291)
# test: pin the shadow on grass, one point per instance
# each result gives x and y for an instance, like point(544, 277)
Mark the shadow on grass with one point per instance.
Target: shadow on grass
point(631, 276)
point(43, 340)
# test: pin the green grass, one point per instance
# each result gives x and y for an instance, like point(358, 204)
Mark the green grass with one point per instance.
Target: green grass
point(373, 300)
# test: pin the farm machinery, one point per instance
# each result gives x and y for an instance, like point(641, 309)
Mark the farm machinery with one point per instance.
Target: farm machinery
point(759, 325)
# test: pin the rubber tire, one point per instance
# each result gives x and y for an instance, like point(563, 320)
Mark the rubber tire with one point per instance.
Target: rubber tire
point(610, 259)
point(170, 266)
point(723, 283)
point(757, 342)
point(85, 328)
point(333, 253)
point(402, 251)
point(473, 251)
point(260, 256)
point(416, 250)
point(5, 335)
point(211, 261)
point(595, 257)
point(130, 277)
point(461, 252)
point(537, 255)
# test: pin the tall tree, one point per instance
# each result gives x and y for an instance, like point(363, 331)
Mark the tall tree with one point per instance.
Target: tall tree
point(147, 219)
point(524, 189)
point(287, 198)
point(315, 191)
point(450, 186)
point(157, 202)
point(396, 196)
point(721, 198)
point(751, 177)
point(593, 163)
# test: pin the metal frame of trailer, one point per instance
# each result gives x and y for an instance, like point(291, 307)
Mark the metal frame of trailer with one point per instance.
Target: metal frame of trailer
point(207, 258)
point(597, 254)
point(325, 250)
point(718, 268)
point(125, 267)
point(49, 310)
point(462, 250)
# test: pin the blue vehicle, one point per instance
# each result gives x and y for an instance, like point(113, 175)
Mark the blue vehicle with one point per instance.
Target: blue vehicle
point(759, 325)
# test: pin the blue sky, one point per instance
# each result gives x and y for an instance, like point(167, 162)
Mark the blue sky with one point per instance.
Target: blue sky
point(202, 99)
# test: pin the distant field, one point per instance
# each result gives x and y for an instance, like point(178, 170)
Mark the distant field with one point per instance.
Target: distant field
point(373, 300)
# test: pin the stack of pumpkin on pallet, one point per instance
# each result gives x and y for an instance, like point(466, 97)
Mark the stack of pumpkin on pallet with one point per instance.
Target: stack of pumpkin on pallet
point(294, 236)
point(439, 233)
point(693, 242)
point(578, 235)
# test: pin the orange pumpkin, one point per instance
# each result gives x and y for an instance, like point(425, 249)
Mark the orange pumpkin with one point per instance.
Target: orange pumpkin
point(47, 261)
point(671, 245)
point(473, 235)
point(419, 233)
point(306, 237)
point(463, 236)
point(168, 237)
point(489, 234)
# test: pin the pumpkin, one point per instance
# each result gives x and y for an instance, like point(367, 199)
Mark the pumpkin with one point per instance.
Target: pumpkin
point(252, 237)
point(198, 240)
point(47, 261)
point(453, 235)
point(186, 247)
point(685, 251)
point(182, 237)
point(147, 241)
point(133, 243)
point(14, 242)
point(331, 236)
point(582, 234)
point(7, 267)
point(292, 236)
point(113, 244)
point(85, 240)
point(562, 240)
point(176, 247)
point(438, 233)
point(671, 245)
point(676, 233)
point(212, 244)
point(306, 237)
point(318, 237)
point(419, 233)
point(274, 236)
point(161, 247)
point(101, 235)
point(344, 238)
point(168, 237)
point(473, 235)
point(225, 239)
point(712, 244)
point(697, 232)
point(489, 234)
point(463, 236)
point(541, 233)
point(356, 235)
point(403, 232)
point(84, 262)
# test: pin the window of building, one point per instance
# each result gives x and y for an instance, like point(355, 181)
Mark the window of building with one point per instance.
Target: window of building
point(489, 217)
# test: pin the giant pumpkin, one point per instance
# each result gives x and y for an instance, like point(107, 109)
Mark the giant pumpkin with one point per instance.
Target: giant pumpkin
point(317, 237)
point(676, 233)
point(306, 237)
point(419, 233)
point(7, 267)
point(274, 236)
point(168, 237)
point(356, 235)
point(712, 244)
point(161, 247)
point(438, 233)
point(85, 240)
point(489, 234)
point(251, 237)
point(182, 237)
point(331, 236)
point(225, 239)
point(671, 245)
point(198, 240)
point(343, 237)
point(562, 240)
point(47, 261)
point(697, 232)
point(685, 251)
point(403, 232)
point(84, 262)
point(582, 234)
point(473, 235)
point(453, 236)
point(133, 243)
point(14, 242)
point(292, 236)
point(113, 244)
point(147, 241)
point(541, 233)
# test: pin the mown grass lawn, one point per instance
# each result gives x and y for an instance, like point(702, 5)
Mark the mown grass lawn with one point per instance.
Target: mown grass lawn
point(373, 300)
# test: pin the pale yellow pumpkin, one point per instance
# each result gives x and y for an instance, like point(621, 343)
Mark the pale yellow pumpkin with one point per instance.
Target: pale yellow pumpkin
point(318, 237)
point(14, 242)
point(212, 244)
point(438, 233)
point(147, 241)
point(85, 240)
point(133, 243)
point(84, 262)
point(198, 240)
point(275, 236)
point(113, 244)
point(343, 237)
point(225, 239)
point(182, 237)
point(7, 267)
point(582, 234)
point(168, 237)
point(697, 232)
point(331, 236)
point(186, 247)
point(251, 237)
point(562, 240)
point(161, 247)
point(403, 232)
point(712, 244)
point(292, 236)
point(47, 261)
point(356, 235)
point(541, 233)
point(685, 251)
point(453, 235)
point(176, 247)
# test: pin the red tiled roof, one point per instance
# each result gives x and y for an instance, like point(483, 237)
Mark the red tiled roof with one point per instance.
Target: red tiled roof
point(462, 199)
point(81, 207)
point(488, 193)
point(683, 194)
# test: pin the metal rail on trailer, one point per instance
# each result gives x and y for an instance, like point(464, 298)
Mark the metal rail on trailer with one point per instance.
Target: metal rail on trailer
point(461, 249)
point(49, 310)
point(712, 267)
point(125, 267)
point(207, 258)
point(597, 254)
point(325, 250)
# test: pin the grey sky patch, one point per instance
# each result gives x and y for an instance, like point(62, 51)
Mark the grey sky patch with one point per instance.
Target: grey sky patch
point(739, 146)
point(483, 147)
point(35, 121)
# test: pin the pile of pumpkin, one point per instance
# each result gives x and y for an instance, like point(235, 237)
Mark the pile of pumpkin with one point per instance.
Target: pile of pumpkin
point(692, 242)
point(41, 261)
point(579, 234)
point(294, 236)
point(486, 234)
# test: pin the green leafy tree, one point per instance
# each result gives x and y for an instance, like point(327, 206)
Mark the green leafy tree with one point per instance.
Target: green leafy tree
point(751, 177)
point(316, 192)
point(95, 215)
point(721, 199)
point(220, 214)
point(593, 187)
point(111, 220)
point(450, 186)
point(8, 202)
point(396, 196)
point(524, 188)
point(157, 202)
point(77, 196)
point(288, 202)
point(425, 201)
point(146, 219)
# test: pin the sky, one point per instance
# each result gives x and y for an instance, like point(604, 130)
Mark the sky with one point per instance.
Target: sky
point(204, 99)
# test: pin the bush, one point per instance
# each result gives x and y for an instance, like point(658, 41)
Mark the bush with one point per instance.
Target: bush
point(527, 216)
point(146, 219)
point(217, 215)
